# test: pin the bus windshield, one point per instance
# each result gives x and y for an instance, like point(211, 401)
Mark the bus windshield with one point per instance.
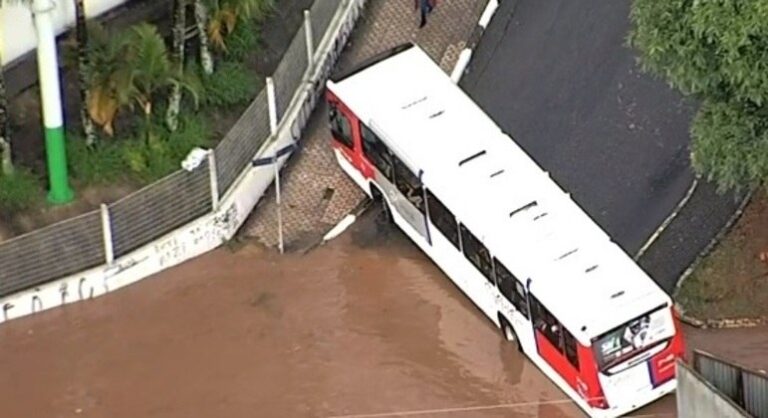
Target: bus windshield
point(632, 338)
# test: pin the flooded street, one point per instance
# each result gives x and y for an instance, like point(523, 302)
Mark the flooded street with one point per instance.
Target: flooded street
point(363, 326)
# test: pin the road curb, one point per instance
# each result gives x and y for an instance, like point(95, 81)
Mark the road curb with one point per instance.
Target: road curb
point(716, 323)
point(727, 323)
point(341, 226)
point(466, 54)
point(676, 211)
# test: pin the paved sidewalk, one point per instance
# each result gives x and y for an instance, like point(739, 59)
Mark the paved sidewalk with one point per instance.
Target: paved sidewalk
point(316, 194)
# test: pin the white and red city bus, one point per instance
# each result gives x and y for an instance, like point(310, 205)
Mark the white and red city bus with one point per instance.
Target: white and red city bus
point(505, 233)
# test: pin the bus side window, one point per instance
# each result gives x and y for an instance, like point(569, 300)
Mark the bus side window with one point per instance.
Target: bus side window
point(546, 323)
point(571, 353)
point(377, 152)
point(510, 287)
point(409, 185)
point(476, 253)
point(443, 219)
point(341, 129)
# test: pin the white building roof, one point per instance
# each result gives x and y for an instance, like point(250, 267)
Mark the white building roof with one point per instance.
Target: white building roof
point(511, 204)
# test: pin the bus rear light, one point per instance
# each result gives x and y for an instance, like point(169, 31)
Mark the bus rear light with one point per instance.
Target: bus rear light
point(599, 402)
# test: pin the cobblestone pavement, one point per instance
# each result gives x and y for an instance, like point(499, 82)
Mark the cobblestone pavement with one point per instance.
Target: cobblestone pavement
point(316, 194)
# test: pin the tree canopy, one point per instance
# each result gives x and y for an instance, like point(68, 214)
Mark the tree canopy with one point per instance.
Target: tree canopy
point(717, 51)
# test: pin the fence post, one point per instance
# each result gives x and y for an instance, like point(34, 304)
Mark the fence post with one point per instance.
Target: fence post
point(272, 102)
point(309, 39)
point(214, 178)
point(106, 230)
point(279, 206)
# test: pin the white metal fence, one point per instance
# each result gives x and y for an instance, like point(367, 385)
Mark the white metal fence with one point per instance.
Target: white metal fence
point(103, 236)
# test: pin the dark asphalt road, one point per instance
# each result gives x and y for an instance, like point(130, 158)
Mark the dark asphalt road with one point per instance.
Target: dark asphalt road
point(557, 76)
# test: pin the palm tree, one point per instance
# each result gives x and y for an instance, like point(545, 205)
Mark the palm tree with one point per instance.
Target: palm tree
point(109, 70)
point(179, 35)
point(151, 71)
point(131, 69)
point(201, 21)
point(81, 34)
point(226, 14)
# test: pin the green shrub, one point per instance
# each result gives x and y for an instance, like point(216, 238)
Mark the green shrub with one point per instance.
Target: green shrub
point(162, 155)
point(193, 132)
point(243, 40)
point(231, 84)
point(19, 191)
point(102, 164)
point(134, 158)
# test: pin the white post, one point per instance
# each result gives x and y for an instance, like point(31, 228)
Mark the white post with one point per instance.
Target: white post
point(309, 39)
point(279, 209)
point(272, 102)
point(214, 180)
point(50, 95)
point(106, 230)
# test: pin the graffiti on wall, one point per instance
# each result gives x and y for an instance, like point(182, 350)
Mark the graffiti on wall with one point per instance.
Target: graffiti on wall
point(226, 223)
point(170, 251)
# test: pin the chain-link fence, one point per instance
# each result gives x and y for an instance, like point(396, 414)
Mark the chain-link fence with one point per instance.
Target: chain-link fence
point(240, 144)
point(160, 208)
point(321, 13)
point(52, 252)
point(290, 71)
point(78, 244)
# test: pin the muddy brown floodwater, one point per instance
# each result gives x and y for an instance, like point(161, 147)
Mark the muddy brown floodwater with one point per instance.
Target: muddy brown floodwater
point(363, 326)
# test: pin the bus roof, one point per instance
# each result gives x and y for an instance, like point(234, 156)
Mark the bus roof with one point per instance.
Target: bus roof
point(525, 219)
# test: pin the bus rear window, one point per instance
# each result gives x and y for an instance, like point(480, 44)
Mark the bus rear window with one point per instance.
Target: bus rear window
point(632, 338)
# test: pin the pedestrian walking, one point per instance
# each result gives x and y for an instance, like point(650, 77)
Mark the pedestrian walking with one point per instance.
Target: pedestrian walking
point(425, 7)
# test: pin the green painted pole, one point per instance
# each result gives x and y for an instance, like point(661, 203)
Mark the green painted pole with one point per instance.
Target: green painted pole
point(50, 92)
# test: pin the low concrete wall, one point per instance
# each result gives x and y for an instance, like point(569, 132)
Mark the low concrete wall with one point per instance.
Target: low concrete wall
point(18, 32)
point(698, 399)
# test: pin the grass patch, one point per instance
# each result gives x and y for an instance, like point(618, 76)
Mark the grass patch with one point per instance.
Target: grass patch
point(231, 84)
point(102, 164)
point(732, 282)
point(136, 159)
point(19, 191)
point(244, 40)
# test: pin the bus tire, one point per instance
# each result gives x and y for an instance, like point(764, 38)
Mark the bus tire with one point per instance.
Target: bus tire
point(508, 332)
point(381, 202)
